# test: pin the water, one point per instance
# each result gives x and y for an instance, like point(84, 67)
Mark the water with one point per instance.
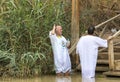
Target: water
point(72, 78)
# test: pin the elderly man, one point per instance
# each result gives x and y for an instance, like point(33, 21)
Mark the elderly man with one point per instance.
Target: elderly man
point(87, 48)
point(61, 56)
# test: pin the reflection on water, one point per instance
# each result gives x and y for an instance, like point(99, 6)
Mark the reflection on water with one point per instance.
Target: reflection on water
point(52, 78)
point(68, 79)
point(88, 79)
point(63, 79)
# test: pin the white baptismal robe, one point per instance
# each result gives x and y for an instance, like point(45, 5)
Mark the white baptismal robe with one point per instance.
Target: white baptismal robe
point(61, 56)
point(87, 48)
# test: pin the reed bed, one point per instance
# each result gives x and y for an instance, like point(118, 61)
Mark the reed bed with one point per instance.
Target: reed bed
point(24, 30)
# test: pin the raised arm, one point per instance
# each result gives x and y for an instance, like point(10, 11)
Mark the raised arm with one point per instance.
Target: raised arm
point(53, 30)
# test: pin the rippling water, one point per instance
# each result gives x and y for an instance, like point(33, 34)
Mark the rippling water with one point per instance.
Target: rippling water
point(72, 78)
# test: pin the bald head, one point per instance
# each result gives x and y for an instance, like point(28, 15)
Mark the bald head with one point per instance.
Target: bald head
point(58, 30)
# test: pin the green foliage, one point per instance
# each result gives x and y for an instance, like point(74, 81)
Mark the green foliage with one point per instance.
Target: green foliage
point(24, 29)
point(7, 63)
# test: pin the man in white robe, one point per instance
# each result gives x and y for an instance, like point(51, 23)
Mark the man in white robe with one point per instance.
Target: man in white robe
point(61, 56)
point(87, 48)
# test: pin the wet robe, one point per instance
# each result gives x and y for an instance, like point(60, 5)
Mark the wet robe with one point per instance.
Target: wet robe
point(61, 56)
point(88, 79)
point(63, 79)
point(87, 48)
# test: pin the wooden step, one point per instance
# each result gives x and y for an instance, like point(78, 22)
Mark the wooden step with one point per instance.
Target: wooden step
point(117, 65)
point(112, 73)
point(102, 65)
point(104, 55)
point(102, 61)
point(116, 46)
point(117, 49)
point(106, 49)
point(102, 68)
point(117, 55)
point(98, 68)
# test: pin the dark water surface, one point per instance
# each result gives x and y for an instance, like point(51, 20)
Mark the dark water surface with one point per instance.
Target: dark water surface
point(72, 78)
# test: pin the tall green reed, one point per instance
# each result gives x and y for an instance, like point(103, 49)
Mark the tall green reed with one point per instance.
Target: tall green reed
point(24, 29)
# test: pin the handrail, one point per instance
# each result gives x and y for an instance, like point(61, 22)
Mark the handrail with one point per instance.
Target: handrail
point(106, 48)
point(111, 51)
point(112, 37)
point(111, 55)
point(73, 47)
point(116, 34)
point(97, 26)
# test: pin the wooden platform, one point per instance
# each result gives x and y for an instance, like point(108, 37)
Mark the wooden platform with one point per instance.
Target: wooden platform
point(104, 55)
point(117, 65)
point(98, 68)
point(102, 61)
point(112, 73)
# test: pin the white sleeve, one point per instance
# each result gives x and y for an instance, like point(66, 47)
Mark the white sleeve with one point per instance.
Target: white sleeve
point(101, 42)
point(52, 37)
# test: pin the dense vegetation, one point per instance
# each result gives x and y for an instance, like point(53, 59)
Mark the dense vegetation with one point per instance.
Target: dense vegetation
point(25, 48)
point(94, 12)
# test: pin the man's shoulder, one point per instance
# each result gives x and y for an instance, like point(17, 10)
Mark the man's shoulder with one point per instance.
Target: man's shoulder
point(88, 37)
point(62, 36)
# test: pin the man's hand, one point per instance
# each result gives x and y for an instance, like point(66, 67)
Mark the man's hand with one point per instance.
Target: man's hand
point(68, 44)
point(53, 30)
point(54, 27)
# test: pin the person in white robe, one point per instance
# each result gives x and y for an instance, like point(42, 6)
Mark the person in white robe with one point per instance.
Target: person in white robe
point(61, 56)
point(87, 48)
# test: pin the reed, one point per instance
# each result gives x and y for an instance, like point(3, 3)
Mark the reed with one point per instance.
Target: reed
point(24, 29)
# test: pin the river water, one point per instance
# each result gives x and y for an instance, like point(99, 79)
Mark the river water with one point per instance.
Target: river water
point(72, 78)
